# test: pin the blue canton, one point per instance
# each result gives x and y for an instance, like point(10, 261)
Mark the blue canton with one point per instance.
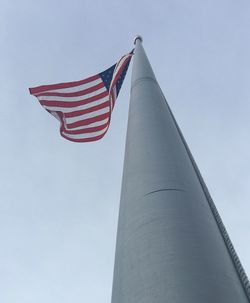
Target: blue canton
point(108, 74)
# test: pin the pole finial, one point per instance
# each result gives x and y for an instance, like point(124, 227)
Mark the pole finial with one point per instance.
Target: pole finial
point(138, 37)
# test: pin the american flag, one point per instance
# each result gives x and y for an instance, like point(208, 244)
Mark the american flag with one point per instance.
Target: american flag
point(84, 107)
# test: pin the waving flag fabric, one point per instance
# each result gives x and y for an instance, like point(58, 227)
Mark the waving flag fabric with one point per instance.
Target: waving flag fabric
point(84, 107)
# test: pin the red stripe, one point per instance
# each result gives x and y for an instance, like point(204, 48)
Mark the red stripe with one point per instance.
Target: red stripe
point(89, 120)
point(75, 94)
point(62, 129)
point(121, 68)
point(73, 103)
point(38, 89)
point(87, 110)
point(84, 140)
point(113, 98)
point(86, 130)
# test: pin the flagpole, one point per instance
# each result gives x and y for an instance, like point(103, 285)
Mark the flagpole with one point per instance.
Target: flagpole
point(170, 247)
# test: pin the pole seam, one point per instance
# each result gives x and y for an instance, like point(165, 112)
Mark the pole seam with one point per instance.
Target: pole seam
point(141, 80)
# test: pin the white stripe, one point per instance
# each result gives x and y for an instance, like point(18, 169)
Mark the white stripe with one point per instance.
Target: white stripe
point(74, 89)
point(113, 93)
point(75, 108)
point(98, 123)
point(54, 114)
point(119, 64)
point(88, 115)
point(117, 70)
point(87, 135)
point(72, 99)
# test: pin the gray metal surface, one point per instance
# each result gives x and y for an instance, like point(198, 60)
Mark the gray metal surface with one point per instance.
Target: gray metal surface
point(169, 245)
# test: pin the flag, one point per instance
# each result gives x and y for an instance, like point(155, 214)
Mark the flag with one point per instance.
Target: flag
point(84, 107)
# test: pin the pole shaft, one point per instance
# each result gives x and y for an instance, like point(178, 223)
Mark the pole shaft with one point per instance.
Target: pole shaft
point(169, 247)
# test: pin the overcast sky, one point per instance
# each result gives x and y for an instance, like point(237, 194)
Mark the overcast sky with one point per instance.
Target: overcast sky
point(59, 200)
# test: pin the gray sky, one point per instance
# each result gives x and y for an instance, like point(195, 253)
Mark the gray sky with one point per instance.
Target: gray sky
point(59, 200)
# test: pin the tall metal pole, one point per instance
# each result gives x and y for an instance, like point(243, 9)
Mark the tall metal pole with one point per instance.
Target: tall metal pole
point(170, 241)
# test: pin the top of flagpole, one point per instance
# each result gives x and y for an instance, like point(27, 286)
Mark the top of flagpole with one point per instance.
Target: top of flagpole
point(138, 37)
point(142, 69)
